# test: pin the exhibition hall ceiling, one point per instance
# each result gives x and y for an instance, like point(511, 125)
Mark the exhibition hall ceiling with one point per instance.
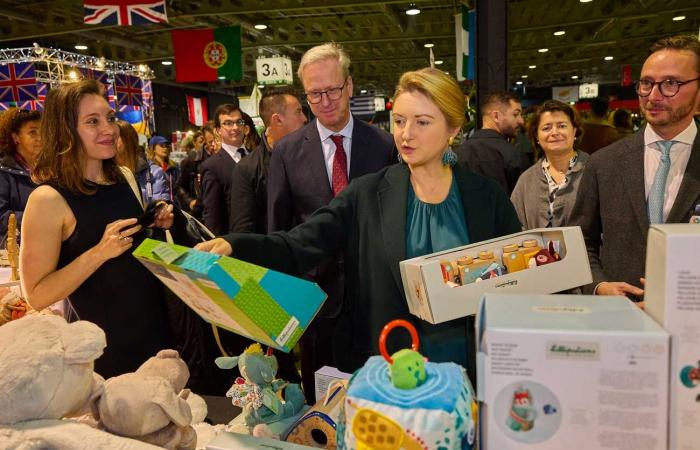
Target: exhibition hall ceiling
point(383, 41)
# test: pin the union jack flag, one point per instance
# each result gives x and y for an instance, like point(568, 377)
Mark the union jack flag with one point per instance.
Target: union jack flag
point(92, 74)
point(124, 12)
point(147, 90)
point(17, 82)
point(129, 90)
point(38, 104)
point(6, 106)
point(128, 108)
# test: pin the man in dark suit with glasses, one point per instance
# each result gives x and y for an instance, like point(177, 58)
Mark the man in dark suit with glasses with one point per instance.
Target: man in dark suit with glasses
point(312, 165)
point(650, 177)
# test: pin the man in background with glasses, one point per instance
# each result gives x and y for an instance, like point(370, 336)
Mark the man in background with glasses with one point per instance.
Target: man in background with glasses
point(650, 177)
point(218, 169)
point(312, 165)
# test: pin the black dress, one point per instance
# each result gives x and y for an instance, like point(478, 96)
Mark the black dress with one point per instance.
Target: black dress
point(122, 297)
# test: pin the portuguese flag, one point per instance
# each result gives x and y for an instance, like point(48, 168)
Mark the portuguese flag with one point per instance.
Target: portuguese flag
point(207, 55)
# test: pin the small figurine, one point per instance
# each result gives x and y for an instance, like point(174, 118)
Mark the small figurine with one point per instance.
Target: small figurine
point(258, 391)
point(522, 412)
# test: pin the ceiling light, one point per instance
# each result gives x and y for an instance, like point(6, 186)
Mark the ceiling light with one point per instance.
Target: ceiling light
point(438, 62)
point(73, 75)
point(412, 10)
point(222, 78)
point(523, 76)
point(167, 63)
point(609, 58)
point(543, 50)
point(429, 45)
point(261, 86)
point(679, 18)
point(559, 33)
point(518, 82)
point(574, 77)
point(585, 1)
point(363, 91)
point(531, 66)
point(261, 26)
point(85, 47)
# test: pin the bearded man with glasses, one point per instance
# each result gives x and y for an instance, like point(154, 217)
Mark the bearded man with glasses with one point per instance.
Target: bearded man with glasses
point(650, 177)
point(311, 166)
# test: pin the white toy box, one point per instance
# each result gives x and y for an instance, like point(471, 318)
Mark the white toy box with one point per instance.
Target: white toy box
point(558, 372)
point(672, 297)
point(431, 299)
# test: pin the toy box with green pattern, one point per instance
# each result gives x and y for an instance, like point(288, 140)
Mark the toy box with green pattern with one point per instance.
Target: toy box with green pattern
point(264, 305)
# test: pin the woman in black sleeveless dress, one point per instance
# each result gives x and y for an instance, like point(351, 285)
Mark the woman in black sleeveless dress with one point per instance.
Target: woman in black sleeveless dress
point(80, 227)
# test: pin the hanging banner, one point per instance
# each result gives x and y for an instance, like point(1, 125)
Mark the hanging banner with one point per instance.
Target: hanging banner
point(275, 70)
point(626, 75)
point(566, 94)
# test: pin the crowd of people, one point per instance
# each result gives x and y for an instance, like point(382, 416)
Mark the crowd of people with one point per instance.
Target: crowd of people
point(338, 200)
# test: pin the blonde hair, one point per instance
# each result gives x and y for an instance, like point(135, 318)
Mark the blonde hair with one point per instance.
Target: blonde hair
point(330, 50)
point(440, 88)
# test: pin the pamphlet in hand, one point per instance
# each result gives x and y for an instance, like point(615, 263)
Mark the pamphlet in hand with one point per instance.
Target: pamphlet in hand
point(264, 305)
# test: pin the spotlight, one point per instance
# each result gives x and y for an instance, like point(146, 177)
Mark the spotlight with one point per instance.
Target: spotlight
point(261, 26)
point(412, 10)
point(438, 62)
point(678, 18)
point(609, 58)
point(81, 47)
point(543, 50)
point(574, 77)
point(429, 45)
point(167, 63)
point(531, 66)
point(559, 33)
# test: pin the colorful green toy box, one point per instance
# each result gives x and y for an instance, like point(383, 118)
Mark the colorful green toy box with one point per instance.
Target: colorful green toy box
point(267, 306)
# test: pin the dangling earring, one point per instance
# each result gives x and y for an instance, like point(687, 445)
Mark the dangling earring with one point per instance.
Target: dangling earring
point(449, 158)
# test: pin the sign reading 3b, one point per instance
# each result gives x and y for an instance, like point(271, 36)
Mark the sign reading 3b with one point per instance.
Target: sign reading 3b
point(275, 70)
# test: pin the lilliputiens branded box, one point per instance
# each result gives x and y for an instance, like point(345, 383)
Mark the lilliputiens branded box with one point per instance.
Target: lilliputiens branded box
point(672, 297)
point(266, 306)
point(566, 371)
point(431, 299)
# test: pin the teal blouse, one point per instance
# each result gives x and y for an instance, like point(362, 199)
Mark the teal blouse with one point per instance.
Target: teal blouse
point(430, 228)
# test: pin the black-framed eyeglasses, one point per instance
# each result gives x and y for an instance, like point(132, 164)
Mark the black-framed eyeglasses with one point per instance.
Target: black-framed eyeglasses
point(668, 88)
point(332, 94)
point(231, 123)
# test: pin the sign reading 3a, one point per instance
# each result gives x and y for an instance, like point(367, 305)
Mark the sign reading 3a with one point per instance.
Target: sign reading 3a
point(275, 70)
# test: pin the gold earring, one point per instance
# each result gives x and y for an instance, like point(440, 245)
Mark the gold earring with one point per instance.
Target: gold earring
point(450, 141)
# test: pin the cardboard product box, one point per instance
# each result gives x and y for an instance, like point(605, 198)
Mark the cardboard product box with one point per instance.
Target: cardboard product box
point(261, 304)
point(672, 297)
point(235, 441)
point(567, 371)
point(326, 376)
point(431, 299)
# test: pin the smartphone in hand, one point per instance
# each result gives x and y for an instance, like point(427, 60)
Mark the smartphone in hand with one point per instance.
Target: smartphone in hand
point(149, 215)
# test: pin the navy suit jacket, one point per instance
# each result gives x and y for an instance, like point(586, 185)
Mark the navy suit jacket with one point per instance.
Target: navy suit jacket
point(297, 185)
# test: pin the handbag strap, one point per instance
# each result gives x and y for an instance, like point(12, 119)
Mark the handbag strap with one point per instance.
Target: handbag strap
point(129, 176)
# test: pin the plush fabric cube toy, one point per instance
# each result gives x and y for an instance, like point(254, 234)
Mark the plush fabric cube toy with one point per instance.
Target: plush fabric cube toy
point(402, 402)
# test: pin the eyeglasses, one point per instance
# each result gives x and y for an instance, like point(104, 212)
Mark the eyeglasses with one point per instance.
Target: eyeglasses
point(668, 88)
point(332, 94)
point(231, 123)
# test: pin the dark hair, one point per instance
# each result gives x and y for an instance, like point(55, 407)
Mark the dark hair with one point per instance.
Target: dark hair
point(226, 108)
point(209, 127)
point(252, 139)
point(682, 42)
point(552, 106)
point(273, 101)
point(599, 106)
point(495, 99)
point(621, 118)
point(61, 146)
point(11, 121)
point(131, 149)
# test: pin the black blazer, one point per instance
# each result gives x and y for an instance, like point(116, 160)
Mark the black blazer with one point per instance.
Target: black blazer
point(611, 208)
point(216, 191)
point(248, 207)
point(298, 185)
point(367, 221)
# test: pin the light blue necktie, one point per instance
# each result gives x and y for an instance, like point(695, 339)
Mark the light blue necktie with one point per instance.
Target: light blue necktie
point(657, 192)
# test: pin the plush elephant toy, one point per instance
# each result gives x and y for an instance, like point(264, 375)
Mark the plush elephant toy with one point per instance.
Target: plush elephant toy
point(258, 391)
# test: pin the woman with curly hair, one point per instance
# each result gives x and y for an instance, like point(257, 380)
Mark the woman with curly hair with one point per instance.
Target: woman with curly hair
point(20, 143)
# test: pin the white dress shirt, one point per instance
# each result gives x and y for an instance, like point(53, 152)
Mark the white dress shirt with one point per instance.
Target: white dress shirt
point(680, 154)
point(233, 152)
point(329, 147)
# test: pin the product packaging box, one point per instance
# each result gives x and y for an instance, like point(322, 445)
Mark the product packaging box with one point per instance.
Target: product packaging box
point(672, 297)
point(326, 376)
point(266, 306)
point(567, 371)
point(435, 301)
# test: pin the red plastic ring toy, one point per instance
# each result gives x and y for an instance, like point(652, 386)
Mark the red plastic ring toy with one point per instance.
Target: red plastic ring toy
point(415, 342)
